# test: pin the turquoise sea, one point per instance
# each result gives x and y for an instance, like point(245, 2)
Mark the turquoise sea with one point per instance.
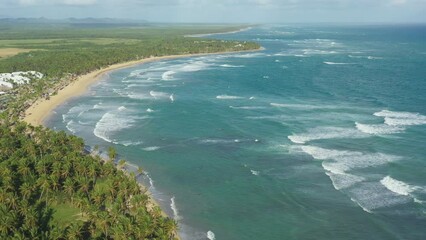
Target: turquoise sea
point(322, 135)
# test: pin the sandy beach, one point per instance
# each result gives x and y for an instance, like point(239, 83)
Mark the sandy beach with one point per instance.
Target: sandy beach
point(41, 109)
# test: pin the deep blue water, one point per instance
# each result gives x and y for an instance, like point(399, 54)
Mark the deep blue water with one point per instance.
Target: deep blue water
point(322, 135)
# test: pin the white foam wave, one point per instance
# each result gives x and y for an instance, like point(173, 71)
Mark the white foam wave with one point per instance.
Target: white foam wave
point(211, 236)
point(373, 195)
point(129, 143)
point(159, 95)
point(149, 110)
point(151, 182)
point(110, 123)
point(150, 149)
point(393, 118)
point(219, 141)
point(398, 187)
point(122, 108)
point(342, 181)
point(231, 66)
point(374, 58)
point(172, 98)
point(405, 121)
point(168, 75)
point(175, 209)
point(248, 55)
point(228, 97)
point(343, 161)
point(338, 63)
point(378, 129)
point(71, 126)
point(367, 57)
point(305, 106)
point(139, 96)
point(320, 133)
point(256, 173)
point(247, 107)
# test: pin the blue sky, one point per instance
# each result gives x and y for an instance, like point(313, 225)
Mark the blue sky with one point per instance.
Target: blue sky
point(249, 11)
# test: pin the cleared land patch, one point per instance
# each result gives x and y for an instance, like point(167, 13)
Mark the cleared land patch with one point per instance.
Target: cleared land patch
point(8, 52)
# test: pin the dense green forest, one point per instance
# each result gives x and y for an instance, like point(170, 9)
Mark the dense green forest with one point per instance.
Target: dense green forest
point(50, 187)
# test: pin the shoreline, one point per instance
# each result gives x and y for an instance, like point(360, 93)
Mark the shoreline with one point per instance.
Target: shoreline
point(42, 108)
point(219, 33)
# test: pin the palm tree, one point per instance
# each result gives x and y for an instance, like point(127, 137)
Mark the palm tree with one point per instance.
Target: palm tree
point(69, 187)
point(26, 190)
point(121, 163)
point(102, 222)
point(112, 153)
point(44, 184)
point(74, 231)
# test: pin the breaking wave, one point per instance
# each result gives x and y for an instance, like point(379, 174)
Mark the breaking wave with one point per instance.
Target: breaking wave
point(110, 123)
point(320, 133)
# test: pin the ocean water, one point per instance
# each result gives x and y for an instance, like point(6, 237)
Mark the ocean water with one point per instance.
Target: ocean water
point(322, 135)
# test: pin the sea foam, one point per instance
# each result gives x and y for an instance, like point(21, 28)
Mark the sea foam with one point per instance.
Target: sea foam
point(228, 97)
point(344, 161)
point(344, 180)
point(211, 236)
point(174, 209)
point(398, 187)
point(378, 129)
point(110, 123)
point(393, 118)
point(326, 133)
point(338, 63)
point(371, 196)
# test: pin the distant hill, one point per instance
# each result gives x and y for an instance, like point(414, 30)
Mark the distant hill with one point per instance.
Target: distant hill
point(71, 20)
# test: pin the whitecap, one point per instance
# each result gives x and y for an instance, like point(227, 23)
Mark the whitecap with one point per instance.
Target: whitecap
point(344, 161)
point(172, 98)
point(308, 106)
point(129, 143)
point(247, 107)
point(228, 97)
point(159, 95)
point(151, 181)
point(393, 118)
point(175, 209)
point(168, 75)
point(71, 126)
point(338, 63)
point(343, 180)
point(110, 123)
point(231, 66)
point(139, 96)
point(398, 187)
point(211, 236)
point(320, 133)
point(149, 110)
point(122, 108)
point(256, 173)
point(150, 149)
point(378, 129)
point(371, 196)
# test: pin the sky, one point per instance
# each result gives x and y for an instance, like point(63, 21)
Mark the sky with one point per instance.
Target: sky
point(220, 11)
